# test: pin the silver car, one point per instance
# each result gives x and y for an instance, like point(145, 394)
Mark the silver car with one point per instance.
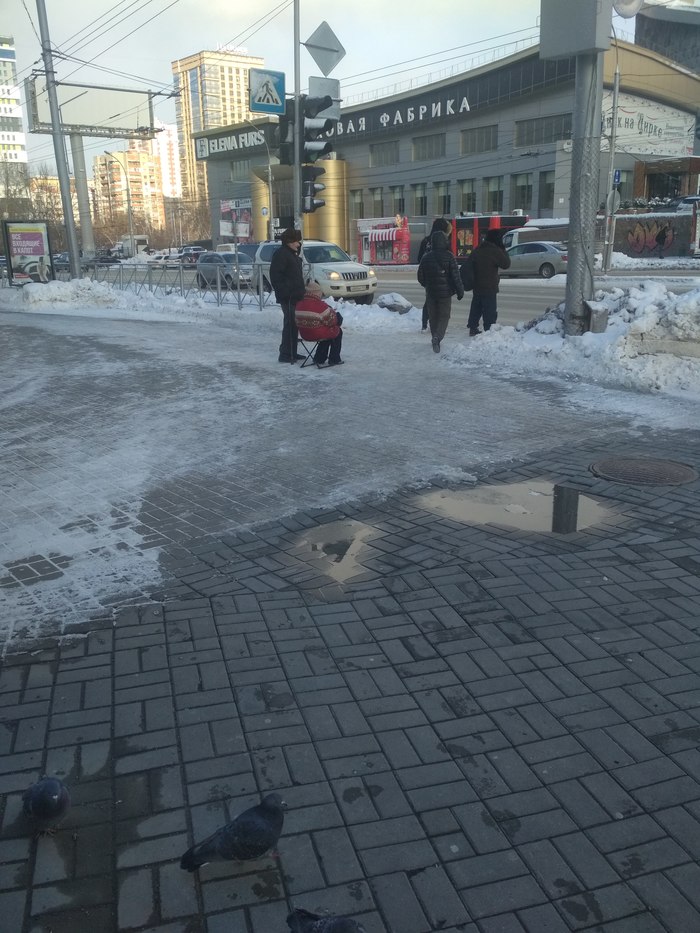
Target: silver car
point(224, 270)
point(540, 257)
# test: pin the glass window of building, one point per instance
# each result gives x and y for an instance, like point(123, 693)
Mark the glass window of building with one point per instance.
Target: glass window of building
point(429, 147)
point(467, 196)
point(625, 187)
point(542, 130)
point(545, 202)
point(442, 197)
point(381, 154)
point(377, 202)
point(479, 139)
point(493, 194)
point(398, 201)
point(240, 171)
point(420, 199)
point(521, 192)
point(357, 207)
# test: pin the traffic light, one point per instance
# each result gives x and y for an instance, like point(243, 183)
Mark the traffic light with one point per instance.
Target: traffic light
point(286, 134)
point(312, 147)
point(309, 188)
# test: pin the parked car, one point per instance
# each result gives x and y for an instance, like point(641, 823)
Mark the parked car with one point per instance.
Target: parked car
point(61, 262)
point(164, 261)
point(539, 257)
point(225, 270)
point(190, 254)
point(685, 205)
point(326, 264)
point(94, 261)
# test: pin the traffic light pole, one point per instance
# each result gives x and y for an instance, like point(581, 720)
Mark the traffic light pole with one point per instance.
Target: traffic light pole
point(298, 118)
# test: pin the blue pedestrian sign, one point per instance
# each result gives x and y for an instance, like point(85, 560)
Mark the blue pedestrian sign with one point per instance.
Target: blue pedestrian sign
point(616, 176)
point(266, 91)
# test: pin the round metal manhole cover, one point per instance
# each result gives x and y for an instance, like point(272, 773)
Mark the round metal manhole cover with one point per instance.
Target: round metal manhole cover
point(642, 472)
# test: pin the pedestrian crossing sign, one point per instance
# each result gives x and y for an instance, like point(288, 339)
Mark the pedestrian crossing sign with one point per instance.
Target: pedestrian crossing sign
point(266, 91)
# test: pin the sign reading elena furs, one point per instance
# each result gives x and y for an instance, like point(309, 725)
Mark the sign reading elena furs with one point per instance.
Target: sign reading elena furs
point(645, 127)
point(206, 146)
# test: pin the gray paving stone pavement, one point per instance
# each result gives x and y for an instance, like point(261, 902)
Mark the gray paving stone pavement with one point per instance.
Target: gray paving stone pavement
point(474, 727)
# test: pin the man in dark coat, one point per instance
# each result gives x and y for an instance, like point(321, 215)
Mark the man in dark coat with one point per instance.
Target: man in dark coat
point(486, 260)
point(444, 226)
point(287, 278)
point(439, 275)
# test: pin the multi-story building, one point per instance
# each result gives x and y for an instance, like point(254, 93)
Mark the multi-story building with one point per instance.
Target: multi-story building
point(165, 148)
point(493, 140)
point(213, 91)
point(13, 144)
point(129, 180)
point(671, 28)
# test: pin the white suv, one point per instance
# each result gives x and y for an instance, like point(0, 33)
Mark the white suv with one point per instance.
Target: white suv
point(329, 266)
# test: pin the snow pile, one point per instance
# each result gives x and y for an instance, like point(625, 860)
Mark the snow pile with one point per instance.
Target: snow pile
point(612, 358)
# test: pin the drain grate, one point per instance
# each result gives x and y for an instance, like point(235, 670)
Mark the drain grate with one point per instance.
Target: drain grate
point(644, 472)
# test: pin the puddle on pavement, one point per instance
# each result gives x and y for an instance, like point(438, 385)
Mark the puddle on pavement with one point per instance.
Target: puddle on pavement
point(531, 506)
point(337, 548)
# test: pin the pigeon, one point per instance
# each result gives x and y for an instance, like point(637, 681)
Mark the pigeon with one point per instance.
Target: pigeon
point(46, 803)
point(249, 836)
point(303, 921)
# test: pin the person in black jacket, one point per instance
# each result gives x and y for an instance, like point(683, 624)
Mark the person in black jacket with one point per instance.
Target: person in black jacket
point(439, 275)
point(486, 260)
point(287, 278)
point(443, 226)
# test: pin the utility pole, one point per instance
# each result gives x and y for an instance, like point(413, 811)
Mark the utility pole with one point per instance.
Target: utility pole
point(298, 117)
point(59, 151)
point(585, 164)
point(610, 200)
point(81, 191)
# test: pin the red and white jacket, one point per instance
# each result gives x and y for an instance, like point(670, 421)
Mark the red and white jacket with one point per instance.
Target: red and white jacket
point(315, 319)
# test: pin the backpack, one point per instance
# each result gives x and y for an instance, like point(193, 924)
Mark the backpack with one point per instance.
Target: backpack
point(466, 273)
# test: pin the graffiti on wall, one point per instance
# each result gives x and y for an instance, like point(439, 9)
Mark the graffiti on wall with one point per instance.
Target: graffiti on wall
point(650, 236)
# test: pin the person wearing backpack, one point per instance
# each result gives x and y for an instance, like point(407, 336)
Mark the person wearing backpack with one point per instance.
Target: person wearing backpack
point(486, 260)
point(444, 226)
point(439, 275)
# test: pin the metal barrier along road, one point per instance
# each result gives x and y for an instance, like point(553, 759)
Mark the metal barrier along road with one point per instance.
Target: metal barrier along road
point(184, 281)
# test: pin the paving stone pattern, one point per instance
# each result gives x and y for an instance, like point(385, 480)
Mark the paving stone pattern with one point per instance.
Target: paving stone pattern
point(483, 730)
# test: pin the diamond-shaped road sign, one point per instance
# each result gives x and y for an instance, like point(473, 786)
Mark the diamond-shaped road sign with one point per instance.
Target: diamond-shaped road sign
point(324, 47)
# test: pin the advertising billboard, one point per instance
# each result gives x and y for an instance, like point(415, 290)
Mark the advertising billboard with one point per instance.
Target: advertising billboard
point(28, 252)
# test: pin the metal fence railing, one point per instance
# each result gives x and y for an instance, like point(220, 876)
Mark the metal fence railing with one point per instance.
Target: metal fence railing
point(218, 285)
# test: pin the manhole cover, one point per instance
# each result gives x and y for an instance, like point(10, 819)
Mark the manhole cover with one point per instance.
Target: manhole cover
point(644, 472)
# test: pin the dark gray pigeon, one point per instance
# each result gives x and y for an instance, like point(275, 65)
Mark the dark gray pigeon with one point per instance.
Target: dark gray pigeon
point(303, 921)
point(249, 836)
point(46, 803)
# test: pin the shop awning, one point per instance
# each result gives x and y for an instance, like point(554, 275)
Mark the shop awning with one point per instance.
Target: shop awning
point(375, 236)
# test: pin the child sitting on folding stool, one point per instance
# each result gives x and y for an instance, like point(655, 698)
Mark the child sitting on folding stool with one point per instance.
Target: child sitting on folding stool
point(318, 321)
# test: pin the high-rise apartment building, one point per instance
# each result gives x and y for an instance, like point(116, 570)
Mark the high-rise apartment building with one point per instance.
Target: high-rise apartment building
point(129, 180)
point(213, 91)
point(13, 143)
point(165, 148)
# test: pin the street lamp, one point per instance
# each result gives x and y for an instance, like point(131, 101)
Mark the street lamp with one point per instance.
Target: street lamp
point(128, 200)
point(270, 222)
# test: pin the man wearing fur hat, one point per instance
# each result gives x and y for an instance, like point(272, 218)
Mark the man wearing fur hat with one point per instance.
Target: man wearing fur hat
point(287, 279)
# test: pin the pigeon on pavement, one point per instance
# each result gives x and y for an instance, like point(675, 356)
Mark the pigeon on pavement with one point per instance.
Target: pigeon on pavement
point(249, 836)
point(46, 803)
point(303, 921)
